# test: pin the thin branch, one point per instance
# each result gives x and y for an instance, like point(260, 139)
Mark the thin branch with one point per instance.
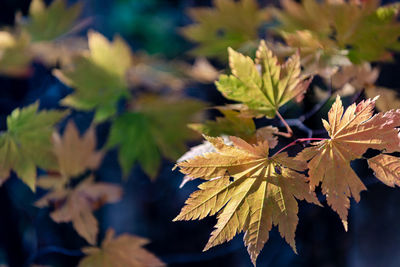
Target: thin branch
point(289, 130)
point(300, 140)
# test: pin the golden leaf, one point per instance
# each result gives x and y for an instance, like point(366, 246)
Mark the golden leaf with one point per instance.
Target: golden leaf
point(386, 168)
point(249, 190)
point(351, 133)
point(76, 154)
point(122, 251)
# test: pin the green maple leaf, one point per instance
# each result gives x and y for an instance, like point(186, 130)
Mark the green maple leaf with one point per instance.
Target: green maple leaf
point(99, 77)
point(263, 85)
point(26, 144)
point(48, 23)
point(156, 128)
point(229, 24)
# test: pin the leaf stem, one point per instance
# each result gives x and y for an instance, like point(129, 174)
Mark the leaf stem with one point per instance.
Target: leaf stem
point(300, 140)
point(288, 129)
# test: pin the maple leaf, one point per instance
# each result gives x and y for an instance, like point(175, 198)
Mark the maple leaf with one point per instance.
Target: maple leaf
point(48, 23)
point(233, 123)
point(266, 90)
point(15, 56)
point(76, 154)
point(364, 29)
point(386, 168)
point(155, 126)
point(388, 98)
point(229, 24)
point(362, 78)
point(351, 133)
point(98, 77)
point(27, 143)
point(122, 251)
point(155, 73)
point(77, 205)
point(203, 71)
point(249, 190)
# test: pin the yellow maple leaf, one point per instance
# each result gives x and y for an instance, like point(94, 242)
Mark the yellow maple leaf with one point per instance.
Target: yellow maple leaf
point(122, 251)
point(249, 190)
point(77, 205)
point(351, 133)
point(262, 85)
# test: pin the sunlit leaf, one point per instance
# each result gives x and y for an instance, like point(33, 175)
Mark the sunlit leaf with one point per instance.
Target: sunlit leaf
point(351, 133)
point(249, 190)
point(263, 85)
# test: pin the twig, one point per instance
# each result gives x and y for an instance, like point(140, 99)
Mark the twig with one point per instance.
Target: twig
point(300, 140)
point(289, 130)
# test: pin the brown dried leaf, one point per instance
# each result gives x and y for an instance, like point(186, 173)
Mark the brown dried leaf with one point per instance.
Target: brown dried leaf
point(75, 153)
point(77, 205)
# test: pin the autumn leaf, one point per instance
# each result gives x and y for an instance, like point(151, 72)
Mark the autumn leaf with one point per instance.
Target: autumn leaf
point(122, 251)
point(388, 98)
point(386, 168)
point(266, 90)
point(154, 127)
point(155, 73)
point(351, 133)
point(98, 77)
point(48, 23)
point(77, 205)
point(26, 144)
point(76, 154)
point(233, 123)
point(364, 29)
point(15, 57)
point(203, 71)
point(230, 24)
point(249, 190)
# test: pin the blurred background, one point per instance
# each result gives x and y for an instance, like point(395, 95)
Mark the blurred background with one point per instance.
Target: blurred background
point(28, 235)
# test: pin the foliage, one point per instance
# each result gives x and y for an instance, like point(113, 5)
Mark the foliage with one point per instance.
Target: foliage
point(362, 28)
point(139, 136)
point(27, 143)
point(249, 180)
point(351, 134)
point(124, 250)
point(229, 24)
point(262, 91)
point(98, 78)
point(46, 24)
point(253, 192)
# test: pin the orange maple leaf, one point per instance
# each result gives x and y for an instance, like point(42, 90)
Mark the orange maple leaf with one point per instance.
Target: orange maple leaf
point(351, 133)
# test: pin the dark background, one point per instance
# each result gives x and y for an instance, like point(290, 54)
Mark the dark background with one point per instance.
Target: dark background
point(27, 234)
